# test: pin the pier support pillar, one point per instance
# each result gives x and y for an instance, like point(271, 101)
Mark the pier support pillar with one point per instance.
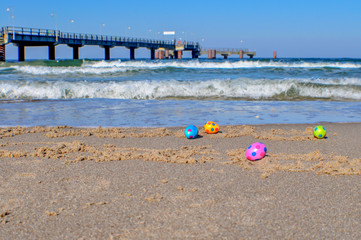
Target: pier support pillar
point(2, 53)
point(132, 53)
point(166, 54)
point(21, 52)
point(240, 54)
point(225, 56)
point(152, 53)
point(51, 52)
point(274, 54)
point(211, 54)
point(161, 54)
point(195, 54)
point(107, 52)
point(75, 50)
point(157, 54)
point(179, 54)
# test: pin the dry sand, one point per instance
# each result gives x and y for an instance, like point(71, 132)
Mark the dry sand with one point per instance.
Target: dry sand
point(127, 183)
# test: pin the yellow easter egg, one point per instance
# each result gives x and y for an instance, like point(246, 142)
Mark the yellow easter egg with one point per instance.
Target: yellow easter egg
point(211, 127)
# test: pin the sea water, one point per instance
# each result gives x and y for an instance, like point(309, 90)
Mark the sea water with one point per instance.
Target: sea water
point(154, 93)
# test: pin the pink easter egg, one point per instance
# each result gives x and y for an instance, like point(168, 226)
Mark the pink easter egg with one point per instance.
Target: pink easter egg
point(256, 151)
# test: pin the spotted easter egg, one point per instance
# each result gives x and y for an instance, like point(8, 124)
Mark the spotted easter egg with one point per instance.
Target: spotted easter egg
point(256, 151)
point(319, 132)
point(211, 127)
point(191, 131)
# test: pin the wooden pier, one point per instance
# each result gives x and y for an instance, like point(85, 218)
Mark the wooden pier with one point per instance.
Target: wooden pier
point(26, 37)
point(160, 49)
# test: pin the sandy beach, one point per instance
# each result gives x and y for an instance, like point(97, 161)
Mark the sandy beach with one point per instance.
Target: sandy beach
point(153, 183)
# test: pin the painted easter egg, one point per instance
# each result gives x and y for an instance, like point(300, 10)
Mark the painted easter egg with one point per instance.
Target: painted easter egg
point(191, 131)
point(211, 127)
point(256, 151)
point(319, 132)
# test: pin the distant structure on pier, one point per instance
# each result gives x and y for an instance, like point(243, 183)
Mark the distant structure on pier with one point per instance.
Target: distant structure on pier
point(227, 52)
point(160, 49)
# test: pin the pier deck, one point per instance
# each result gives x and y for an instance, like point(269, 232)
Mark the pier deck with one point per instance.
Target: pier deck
point(23, 37)
point(26, 37)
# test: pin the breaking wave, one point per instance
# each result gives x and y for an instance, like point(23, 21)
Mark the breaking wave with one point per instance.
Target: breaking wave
point(242, 88)
point(110, 67)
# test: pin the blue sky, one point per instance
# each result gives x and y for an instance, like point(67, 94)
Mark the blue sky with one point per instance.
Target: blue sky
point(317, 28)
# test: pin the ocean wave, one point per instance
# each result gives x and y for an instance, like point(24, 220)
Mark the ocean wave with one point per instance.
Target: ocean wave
point(221, 64)
point(37, 70)
point(111, 67)
point(250, 89)
point(346, 81)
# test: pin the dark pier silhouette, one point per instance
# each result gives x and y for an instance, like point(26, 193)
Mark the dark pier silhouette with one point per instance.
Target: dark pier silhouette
point(160, 49)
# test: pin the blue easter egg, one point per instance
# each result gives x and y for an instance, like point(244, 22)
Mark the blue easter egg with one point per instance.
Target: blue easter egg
point(191, 132)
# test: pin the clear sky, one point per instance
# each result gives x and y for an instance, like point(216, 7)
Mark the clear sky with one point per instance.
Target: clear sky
point(307, 28)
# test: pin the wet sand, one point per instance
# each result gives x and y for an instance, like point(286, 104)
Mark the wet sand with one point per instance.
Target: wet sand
point(153, 183)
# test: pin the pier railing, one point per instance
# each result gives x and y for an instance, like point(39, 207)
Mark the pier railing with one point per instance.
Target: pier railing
point(58, 36)
point(23, 37)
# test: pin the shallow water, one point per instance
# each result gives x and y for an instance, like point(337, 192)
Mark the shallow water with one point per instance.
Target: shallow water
point(178, 93)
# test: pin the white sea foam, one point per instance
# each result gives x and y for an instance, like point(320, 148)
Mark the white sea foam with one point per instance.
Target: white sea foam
point(331, 81)
point(150, 89)
point(42, 70)
point(109, 67)
point(225, 64)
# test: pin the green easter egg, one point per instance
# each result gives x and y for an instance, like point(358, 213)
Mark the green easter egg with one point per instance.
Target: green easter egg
point(319, 132)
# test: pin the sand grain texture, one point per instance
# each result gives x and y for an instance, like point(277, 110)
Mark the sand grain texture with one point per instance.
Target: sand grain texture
point(153, 183)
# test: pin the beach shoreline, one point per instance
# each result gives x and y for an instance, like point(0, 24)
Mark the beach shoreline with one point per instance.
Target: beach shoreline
point(137, 183)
